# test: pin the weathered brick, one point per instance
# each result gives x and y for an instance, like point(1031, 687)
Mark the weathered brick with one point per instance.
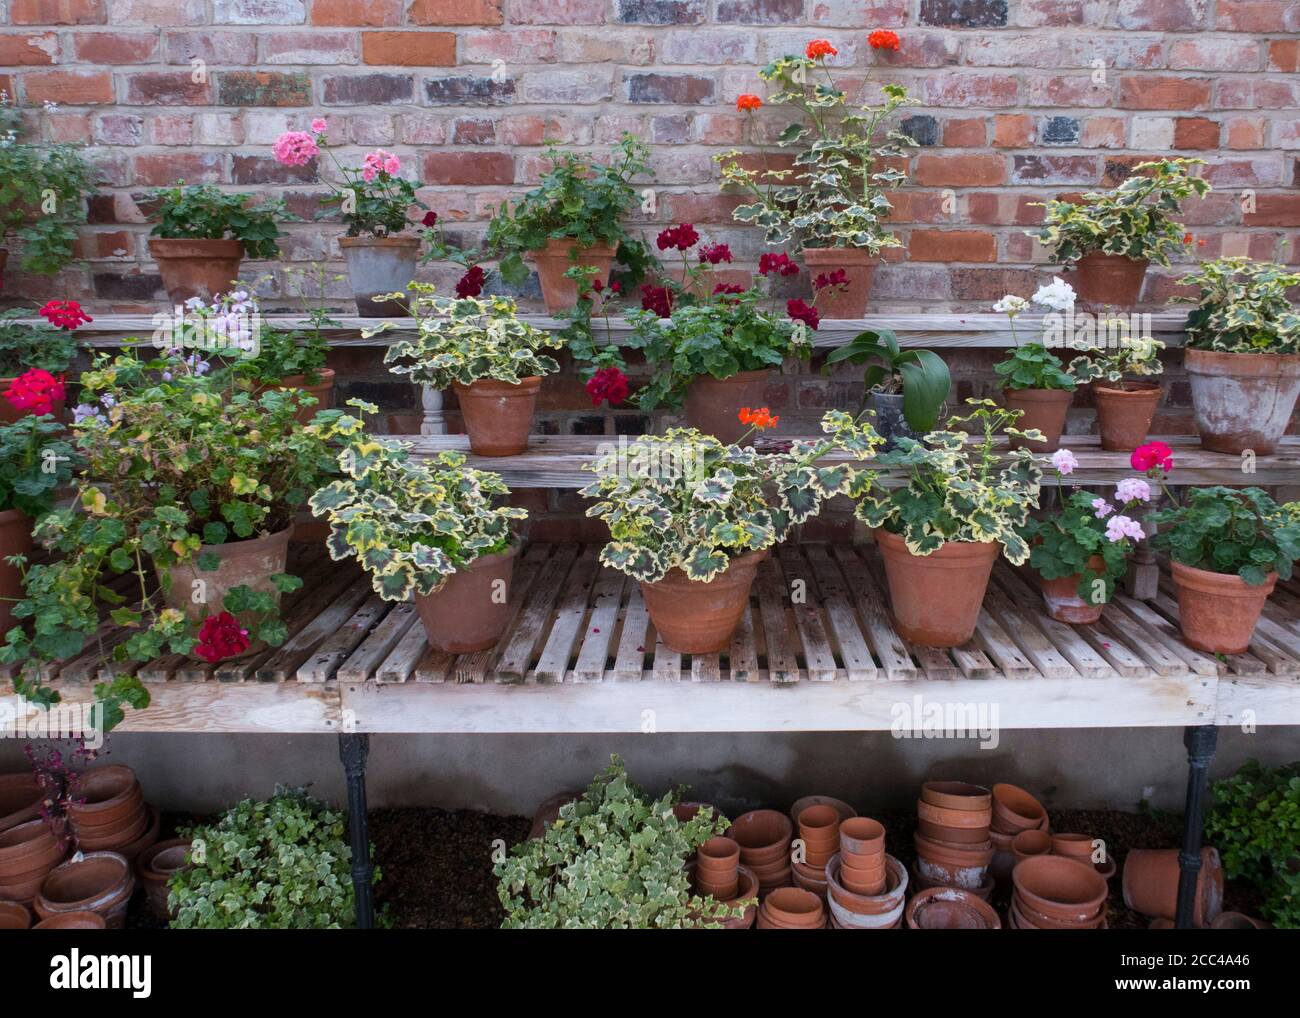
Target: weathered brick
point(1152, 133)
point(462, 12)
point(1257, 15)
point(558, 12)
point(1035, 169)
point(1245, 132)
point(970, 170)
point(1161, 15)
point(118, 129)
point(250, 169)
point(58, 12)
point(29, 49)
point(1163, 92)
point(217, 129)
point(567, 87)
point(69, 128)
point(68, 88)
point(213, 48)
point(368, 89)
point(964, 13)
point(990, 284)
point(685, 89)
point(859, 13)
point(971, 89)
point(468, 90)
point(1284, 55)
point(469, 168)
point(132, 286)
point(473, 131)
point(409, 49)
point(157, 13)
point(1196, 133)
point(259, 12)
point(660, 12)
point(160, 170)
point(708, 46)
point(1274, 210)
point(759, 12)
point(1073, 90)
point(1059, 131)
point(1103, 132)
point(167, 88)
point(1050, 13)
point(921, 128)
point(310, 46)
point(115, 47)
point(1013, 130)
point(952, 246)
point(1215, 55)
point(578, 47)
point(518, 46)
point(171, 129)
point(263, 88)
point(367, 13)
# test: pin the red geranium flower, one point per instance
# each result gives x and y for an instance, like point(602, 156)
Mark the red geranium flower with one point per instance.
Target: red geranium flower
point(778, 263)
point(1153, 454)
point(820, 48)
point(728, 289)
point(607, 384)
point(681, 237)
point(221, 636)
point(658, 299)
point(66, 314)
point(748, 101)
point(760, 418)
point(471, 284)
point(430, 218)
point(715, 253)
point(35, 391)
point(883, 38)
point(838, 278)
point(801, 311)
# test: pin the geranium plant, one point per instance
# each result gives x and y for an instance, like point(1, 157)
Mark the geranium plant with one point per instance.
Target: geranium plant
point(1137, 356)
point(1239, 531)
point(1033, 365)
point(410, 523)
point(42, 346)
point(205, 212)
point(958, 490)
point(1242, 306)
point(35, 461)
point(614, 860)
point(287, 353)
point(1137, 219)
point(686, 501)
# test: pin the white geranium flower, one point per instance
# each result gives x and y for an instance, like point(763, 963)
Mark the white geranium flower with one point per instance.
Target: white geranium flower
point(1011, 305)
point(1057, 295)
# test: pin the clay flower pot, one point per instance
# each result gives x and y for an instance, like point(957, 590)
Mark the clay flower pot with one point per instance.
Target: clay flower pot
point(746, 892)
point(498, 415)
point(1125, 413)
point(957, 795)
point(1044, 409)
point(1150, 884)
point(936, 598)
point(717, 864)
point(1027, 844)
point(26, 852)
point(862, 836)
point(845, 810)
point(963, 819)
point(791, 908)
point(764, 839)
point(72, 921)
point(99, 882)
point(698, 618)
point(1238, 921)
point(950, 908)
point(376, 266)
point(867, 912)
point(712, 404)
point(15, 539)
point(1242, 400)
point(471, 610)
point(1060, 888)
point(1015, 810)
point(560, 293)
point(155, 867)
point(859, 267)
point(131, 849)
point(111, 802)
point(820, 826)
point(1217, 612)
point(549, 811)
point(953, 865)
point(196, 268)
point(14, 916)
point(1061, 597)
point(20, 796)
point(1101, 279)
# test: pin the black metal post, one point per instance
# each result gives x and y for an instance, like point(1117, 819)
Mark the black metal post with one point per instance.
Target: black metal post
point(353, 750)
point(1200, 741)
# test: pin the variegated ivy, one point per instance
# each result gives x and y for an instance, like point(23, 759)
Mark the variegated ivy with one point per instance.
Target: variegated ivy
point(410, 523)
point(685, 500)
point(958, 490)
point(466, 339)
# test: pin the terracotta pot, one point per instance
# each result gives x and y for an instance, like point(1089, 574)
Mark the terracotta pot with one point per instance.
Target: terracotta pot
point(322, 392)
point(1061, 597)
point(249, 563)
point(953, 867)
point(20, 799)
point(950, 908)
point(713, 404)
point(116, 836)
point(1028, 918)
point(1044, 409)
point(862, 836)
point(936, 598)
point(1124, 414)
point(1217, 612)
point(380, 265)
point(719, 855)
point(1075, 846)
point(791, 908)
point(27, 850)
point(196, 268)
point(820, 825)
point(860, 911)
point(15, 539)
point(10, 413)
point(1150, 884)
point(109, 795)
point(1108, 279)
point(99, 882)
point(859, 267)
point(957, 795)
point(14, 916)
point(471, 610)
point(549, 811)
point(845, 810)
point(953, 835)
point(1015, 810)
point(132, 849)
point(764, 839)
point(746, 891)
point(155, 867)
point(72, 921)
point(1242, 400)
point(1027, 844)
point(698, 618)
point(963, 819)
point(560, 293)
point(498, 415)
point(1060, 888)
point(1238, 921)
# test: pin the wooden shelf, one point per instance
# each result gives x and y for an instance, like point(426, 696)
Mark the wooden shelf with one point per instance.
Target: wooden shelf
point(580, 655)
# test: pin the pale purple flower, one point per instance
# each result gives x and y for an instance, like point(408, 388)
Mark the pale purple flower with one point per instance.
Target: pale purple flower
point(1133, 489)
point(1120, 527)
point(1064, 461)
point(1103, 508)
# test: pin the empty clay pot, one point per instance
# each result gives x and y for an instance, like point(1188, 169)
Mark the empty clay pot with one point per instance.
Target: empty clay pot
point(72, 921)
point(1030, 843)
point(819, 827)
point(1217, 612)
point(154, 869)
point(131, 849)
point(950, 908)
point(936, 598)
point(957, 795)
point(953, 835)
point(472, 609)
point(792, 908)
point(1031, 919)
point(559, 292)
point(20, 796)
point(1060, 888)
point(14, 916)
point(196, 267)
point(28, 849)
point(859, 267)
point(1150, 884)
point(713, 404)
point(862, 836)
point(1125, 413)
point(746, 891)
point(99, 882)
point(845, 810)
point(965, 819)
point(498, 415)
point(1075, 846)
point(858, 911)
point(764, 839)
point(719, 855)
point(1044, 409)
point(1015, 810)
point(692, 617)
point(1238, 921)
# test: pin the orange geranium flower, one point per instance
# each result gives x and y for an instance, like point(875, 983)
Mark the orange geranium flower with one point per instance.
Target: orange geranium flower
point(883, 38)
point(761, 418)
point(748, 102)
point(820, 48)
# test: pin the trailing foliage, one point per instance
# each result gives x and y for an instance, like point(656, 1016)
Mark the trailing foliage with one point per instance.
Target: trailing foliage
point(1239, 531)
point(1254, 822)
point(921, 375)
point(410, 523)
point(23, 347)
point(279, 864)
point(614, 860)
point(1242, 307)
point(1138, 219)
point(205, 212)
point(467, 339)
point(957, 491)
point(35, 460)
point(686, 501)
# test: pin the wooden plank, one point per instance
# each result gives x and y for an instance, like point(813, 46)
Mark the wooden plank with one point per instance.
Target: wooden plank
point(629, 663)
point(1085, 658)
point(1254, 700)
point(335, 648)
point(567, 623)
point(742, 659)
point(295, 650)
point(936, 663)
point(845, 629)
point(517, 652)
point(667, 663)
point(1004, 651)
point(1160, 627)
point(375, 648)
point(819, 659)
point(434, 665)
point(1049, 661)
point(705, 668)
point(782, 664)
point(1160, 658)
point(474, 667)
point(599, 633)
point(401, 660)
point(889, 647)
point(1123, 660)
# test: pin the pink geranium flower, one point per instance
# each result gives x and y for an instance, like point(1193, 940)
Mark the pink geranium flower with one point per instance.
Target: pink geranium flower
point(295, 148)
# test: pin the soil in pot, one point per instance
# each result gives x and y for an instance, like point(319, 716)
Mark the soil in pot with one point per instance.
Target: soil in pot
point(1061, 596)
point(1108, 279)
point(15, 539)
point(936, 598)
point(1217, 612)
point(196, 268)
point(377, 266)
point(470, 611)
point(692, 617)
point(498, 415)
point(1125, 413)
point(1044, 409)
point(1242, 400)
point(713, 404)
point(560, 293)
point(860, 270)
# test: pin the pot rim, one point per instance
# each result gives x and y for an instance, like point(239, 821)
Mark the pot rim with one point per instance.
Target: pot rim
point(1221, 362)
point(524, 387)
point(1098, 255)
point(1032, 395)
point(1144, 389)
point(204, 247)
point(399, 241)
point(966, 897)
point(1207, 581)
point(949, 550)
point(559, 247)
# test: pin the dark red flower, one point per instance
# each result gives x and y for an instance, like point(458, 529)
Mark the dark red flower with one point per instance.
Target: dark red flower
point(778, 263)
point(430, 218)
point(682, 237)
point(837, 278)
point(221, 636)
point(607, 384)
point(615, 286)
point(728, 289)
point(66, 314)
point(658, 299)
point(801, 311)
point(471, 284)
point(715, 254)
point(35, 391)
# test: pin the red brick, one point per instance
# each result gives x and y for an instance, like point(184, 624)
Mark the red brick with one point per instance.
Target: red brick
point(1214, 55)
point(28, 49)
point(952, 246)
point(1274, 210)
point(957, 88)
point(974, 170)
point(310, 46)
point(1013, 130)
point(1257, 15)
point(469, 168)
point(1073, 90)
point(167, 168)
point(1157, 92)
point(1160, 15)
point(69, 88)
point(1103, 132)
point(213, 48)
point(1196, 133)
point(116, 47)
point(58, 12)
point(473, 12)
point(370, 13)
point(965, 133)
point(1284, 55)
point(1245, 132)
point(474, 131)
point(72, 128)
point(166, 88)
point(117, 244)
point(409, 49)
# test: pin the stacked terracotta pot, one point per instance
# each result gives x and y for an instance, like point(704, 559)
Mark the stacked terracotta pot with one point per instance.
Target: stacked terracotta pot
point(862, 856)
point(20, 799)
point(72, 921)
point(1014, 811)
point(819, 829)
point(764, 837)
point(110, 814)
point(1053, 892)
point(853, 911)
point(1080, 848)
point(953, 848)
point(950, 908)
point(14, 916)
point(154, 868)
point(98, 882)
point(792, 908)
point(28, 852)
point(810, 874)
point(746, 894)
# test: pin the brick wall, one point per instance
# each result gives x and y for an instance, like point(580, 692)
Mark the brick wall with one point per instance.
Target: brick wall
point(1020, 99)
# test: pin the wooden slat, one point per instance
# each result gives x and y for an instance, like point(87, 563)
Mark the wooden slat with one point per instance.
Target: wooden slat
point(819, 659)
point(1049, 661)
point(667, 663)
point(845, 628)
point(375, 648)
point(1160, 628)
point(339, 645)
point(705, 668)
point(782, 665)
point(1078, 651)
point(599, 634)
point(475, 666)
point(401, 660)
point(1001, 648)
point(517, 653)
point(742, 660)
point(889, 648)
point(567, 624)
point(629, 664)
point(295, 650)
point(1238, 664)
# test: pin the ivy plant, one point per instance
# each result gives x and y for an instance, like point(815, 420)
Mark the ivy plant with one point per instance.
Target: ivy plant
point(26, 346)
point(614, 860)
point(278, 864)
point(410, 523)
point(1239, 531)
point(920, 375)
point(1242, 306)
point(1137, 219)
point(960, 491)
point(205, 212)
